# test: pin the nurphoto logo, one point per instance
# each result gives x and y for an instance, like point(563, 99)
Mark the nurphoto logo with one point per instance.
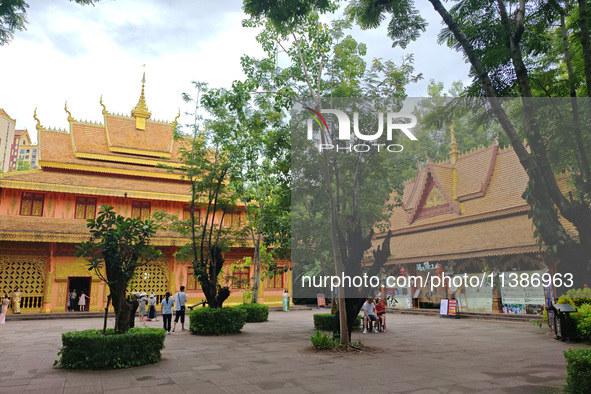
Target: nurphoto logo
point(344, 131)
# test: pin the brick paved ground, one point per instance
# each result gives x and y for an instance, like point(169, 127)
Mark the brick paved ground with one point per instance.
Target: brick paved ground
point(418, 354)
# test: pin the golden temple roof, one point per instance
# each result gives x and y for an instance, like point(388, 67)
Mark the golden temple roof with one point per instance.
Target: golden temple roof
point(486, 216)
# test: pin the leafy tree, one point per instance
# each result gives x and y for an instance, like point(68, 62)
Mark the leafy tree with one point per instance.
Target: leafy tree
point(117, 246)
point(207, 167)
point(499, 40)
point(323, 62)
point(255, 132)
point(22, 165)
point(13, 17)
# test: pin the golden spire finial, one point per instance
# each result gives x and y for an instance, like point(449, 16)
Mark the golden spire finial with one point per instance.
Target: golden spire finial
point(38, 126)
point(141, 112)
point(70, 119)
point(103, 105)
point(453, 153)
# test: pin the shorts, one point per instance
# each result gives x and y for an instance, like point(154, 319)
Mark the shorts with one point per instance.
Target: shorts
point(180, 314)
point(372, 317)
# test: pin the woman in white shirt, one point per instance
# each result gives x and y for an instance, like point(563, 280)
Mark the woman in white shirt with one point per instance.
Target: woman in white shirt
point(166, 309)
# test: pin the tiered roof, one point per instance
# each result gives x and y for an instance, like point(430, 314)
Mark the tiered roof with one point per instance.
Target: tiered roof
point(467, 206)
point(119, 157)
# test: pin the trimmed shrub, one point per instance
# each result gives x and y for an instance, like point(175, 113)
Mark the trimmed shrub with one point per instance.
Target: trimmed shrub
point(216, 321)
point(583, 320)
point(90, 349)
point(578, 369)
point(254, 313)
point(326, 321)
point(576, 297)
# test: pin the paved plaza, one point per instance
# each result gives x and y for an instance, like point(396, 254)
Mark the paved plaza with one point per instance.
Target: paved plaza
point(418, 354)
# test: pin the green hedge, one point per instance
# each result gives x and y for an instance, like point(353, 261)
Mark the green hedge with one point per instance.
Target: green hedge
point(254, 313)
point(216, 321)
point(578, 369)
point(325, 321)
point(90, 349)
point(576, 297)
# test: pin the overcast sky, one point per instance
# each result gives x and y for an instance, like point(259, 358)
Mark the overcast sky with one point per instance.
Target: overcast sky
point(76, 54)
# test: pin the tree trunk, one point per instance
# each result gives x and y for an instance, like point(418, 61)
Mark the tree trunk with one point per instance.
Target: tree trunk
point(256, 279)
point(106, 314)
point(121, 306)
point(214, 293)
point(585, 41)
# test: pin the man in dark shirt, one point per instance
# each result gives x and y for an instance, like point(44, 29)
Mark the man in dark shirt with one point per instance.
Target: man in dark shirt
point(134, 305)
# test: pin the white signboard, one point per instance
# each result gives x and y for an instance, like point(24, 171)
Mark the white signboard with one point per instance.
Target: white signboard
point(443, 307)
point(479, 296)
point(514, 293)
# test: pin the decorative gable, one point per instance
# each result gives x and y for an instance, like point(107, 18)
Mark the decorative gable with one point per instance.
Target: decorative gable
point(432, 198)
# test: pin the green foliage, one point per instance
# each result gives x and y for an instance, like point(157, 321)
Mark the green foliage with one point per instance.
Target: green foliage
point(254, 313)
point(323, 341)
point(117, 246)
point(326, 321)
point(91, 349)
point(576, 297)
point(285, 13)
point(22, 165)
point(583, 319)
point(578, 369)
point(216, 321)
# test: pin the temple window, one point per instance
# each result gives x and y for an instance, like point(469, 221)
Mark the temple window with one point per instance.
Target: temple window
point(241, 278)
point(192, 281)
point(236, 219)
point(275, 282)
point(85, 207)
point(32, 204)
point(187, 213)
point(140, 210)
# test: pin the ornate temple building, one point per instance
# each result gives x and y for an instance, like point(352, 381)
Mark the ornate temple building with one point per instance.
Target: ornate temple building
point(43, 212)
point(462, 216)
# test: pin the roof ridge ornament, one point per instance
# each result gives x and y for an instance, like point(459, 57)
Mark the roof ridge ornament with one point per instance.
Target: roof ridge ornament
point(38, 126)
point(70, 119)
point(175, 121)
point(105, 112)
point(454, 153)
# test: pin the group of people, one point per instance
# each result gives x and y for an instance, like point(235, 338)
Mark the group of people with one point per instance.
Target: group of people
point(77, 303)
point(140, 301)
point(178, 302)
point(374, 317)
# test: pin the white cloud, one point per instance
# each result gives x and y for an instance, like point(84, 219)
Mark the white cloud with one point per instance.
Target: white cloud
point(76, 54)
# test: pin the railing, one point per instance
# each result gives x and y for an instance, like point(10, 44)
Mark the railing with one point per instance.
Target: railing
point(29, 303)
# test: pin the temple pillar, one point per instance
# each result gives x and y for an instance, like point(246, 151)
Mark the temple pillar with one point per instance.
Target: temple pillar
point(172, 276)
point(49, 280)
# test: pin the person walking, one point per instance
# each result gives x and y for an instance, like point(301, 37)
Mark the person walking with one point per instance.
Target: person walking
point(152, 308)
point(180, 299)
point(4, 308)
point(82, 301)
point(166, 310)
